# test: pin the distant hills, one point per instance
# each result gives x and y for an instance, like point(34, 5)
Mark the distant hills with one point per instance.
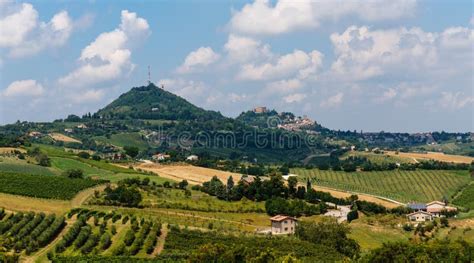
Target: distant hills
point(154, 103)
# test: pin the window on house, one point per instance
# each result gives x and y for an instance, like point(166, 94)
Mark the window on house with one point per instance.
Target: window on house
point(286, 228)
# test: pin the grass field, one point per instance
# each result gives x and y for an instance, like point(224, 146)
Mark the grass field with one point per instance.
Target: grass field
point(43, 186)
point(13, 165)
point(466, 197)
point(403, 186)
point(66, 163)
point(199, 201)
point(450, 147)
point(380, 158)
point(125, 139)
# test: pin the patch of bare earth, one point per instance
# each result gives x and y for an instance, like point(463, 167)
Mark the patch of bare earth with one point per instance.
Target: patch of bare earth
point(193, 174)
point(63, 138)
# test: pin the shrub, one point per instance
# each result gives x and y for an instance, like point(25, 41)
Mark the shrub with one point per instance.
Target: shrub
point(74, 173)
point(84, 155)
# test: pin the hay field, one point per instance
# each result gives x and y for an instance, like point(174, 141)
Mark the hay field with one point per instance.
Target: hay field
point(9, 150)
point(193, 174)
point(433, 156)
point(63, 138)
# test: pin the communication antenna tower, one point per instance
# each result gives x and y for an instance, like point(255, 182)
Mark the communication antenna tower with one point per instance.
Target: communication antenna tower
point(149, 79)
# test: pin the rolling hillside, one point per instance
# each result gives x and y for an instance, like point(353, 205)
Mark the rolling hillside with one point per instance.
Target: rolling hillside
point(151, 102)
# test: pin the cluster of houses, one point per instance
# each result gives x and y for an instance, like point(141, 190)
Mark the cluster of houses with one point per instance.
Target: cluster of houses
point(159, 157)
point(297, 124)
point(429, 211)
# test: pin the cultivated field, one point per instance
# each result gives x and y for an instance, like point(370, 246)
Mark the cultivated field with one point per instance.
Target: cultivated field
point(62, 137)
point(43, 186)
point(380, 158)
point(8, 150)
point(10, 164)
point(193, 174)
point(433, 156)
point(403, 186)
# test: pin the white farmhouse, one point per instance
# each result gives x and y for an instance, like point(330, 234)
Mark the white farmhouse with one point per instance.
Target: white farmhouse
point(420, 216)
point(282, 225)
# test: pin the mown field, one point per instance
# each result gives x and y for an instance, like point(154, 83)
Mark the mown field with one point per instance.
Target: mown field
point(43, 186)
point(11, 164)
point(125, 139)
point(403, 186)
point(66, 163)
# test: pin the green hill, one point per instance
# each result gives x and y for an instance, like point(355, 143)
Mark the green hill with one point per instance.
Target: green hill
point(153, 103)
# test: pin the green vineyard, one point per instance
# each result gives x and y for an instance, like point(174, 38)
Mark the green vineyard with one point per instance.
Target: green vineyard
point(44, 186)
point(28, 231)
point(100, 234)
point(404, 186)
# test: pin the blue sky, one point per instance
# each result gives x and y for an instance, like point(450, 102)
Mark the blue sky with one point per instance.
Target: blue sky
point(365, 65)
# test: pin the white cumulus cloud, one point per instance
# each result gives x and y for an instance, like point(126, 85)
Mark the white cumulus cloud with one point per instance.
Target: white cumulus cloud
point(201, 57)
point(108, 57)
point(298, 62)
point(23, 88)
point(262, 17)
point(22, 34)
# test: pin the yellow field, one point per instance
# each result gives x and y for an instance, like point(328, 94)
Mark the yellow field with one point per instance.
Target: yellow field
point(8, 150)
point(193, 174)
point(433, 156)
point(23, 203)
point(63, 138)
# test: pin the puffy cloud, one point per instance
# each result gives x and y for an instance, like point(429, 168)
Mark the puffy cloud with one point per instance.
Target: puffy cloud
point(332, 101)
point(23, 88)
point(261, 17)
point(298, 62)
point(403, 53)
point(455, 100)
point(22, 34)
point(201, 57)
point(297, 97)
point(242, 49)
point(108, 57)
